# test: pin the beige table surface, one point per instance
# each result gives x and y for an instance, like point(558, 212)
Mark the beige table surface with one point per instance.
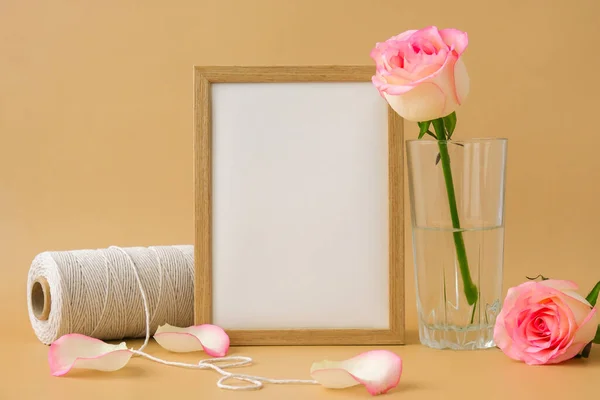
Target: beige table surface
point(428, 374)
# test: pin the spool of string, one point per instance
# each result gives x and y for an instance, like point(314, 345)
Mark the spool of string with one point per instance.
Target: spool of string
point(96, 292)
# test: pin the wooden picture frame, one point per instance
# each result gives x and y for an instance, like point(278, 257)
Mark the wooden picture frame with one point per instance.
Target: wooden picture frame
point(204, 79)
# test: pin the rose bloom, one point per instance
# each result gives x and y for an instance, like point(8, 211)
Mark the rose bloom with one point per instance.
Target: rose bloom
point(421, 74)
point(545, 322)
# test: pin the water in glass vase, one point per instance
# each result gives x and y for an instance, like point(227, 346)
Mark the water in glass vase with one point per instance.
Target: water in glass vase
point(446, 320)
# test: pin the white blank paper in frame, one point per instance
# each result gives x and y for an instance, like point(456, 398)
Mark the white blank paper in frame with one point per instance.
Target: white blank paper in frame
point(299, 206)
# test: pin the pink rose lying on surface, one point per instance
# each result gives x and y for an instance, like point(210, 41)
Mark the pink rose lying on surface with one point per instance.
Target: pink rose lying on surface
point(420, 72)
point(545, 322)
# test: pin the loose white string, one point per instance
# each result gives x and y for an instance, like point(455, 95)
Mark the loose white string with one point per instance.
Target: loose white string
point(93, 293)
point(255, 381)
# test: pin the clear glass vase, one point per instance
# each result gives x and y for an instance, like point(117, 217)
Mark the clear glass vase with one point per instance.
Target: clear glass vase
point(457, 205)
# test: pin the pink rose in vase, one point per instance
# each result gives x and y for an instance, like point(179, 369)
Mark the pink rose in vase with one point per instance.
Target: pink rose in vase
point(421, 74)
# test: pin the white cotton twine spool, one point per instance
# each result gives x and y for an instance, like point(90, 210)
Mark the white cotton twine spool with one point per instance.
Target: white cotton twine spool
point(96, 293)
point(118, 293)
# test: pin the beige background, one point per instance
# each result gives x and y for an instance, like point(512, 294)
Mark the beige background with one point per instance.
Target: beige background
point(96, 148)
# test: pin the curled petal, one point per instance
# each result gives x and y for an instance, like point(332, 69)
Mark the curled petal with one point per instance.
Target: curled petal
point(80, 351)
point(455, 39)
point(382, 47)
point(404, 35)
point(210, 338)
point(431, 34)
point(378, 370)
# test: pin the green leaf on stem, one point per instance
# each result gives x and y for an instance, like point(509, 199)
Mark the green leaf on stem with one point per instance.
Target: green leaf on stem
point(431, 134)
point(597, 338)
point(423, 128)
point(593, 296)
point(450, 123)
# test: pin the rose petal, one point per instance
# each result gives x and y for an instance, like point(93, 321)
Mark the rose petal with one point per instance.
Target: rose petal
point(462, 81)
point(588, 328)
point(455, 39)
point(404, 35)
point(378, 370)
point(584, 335)
point(425, 102)
point(420, 66)
point(515, 294)
point(431, 34)
point(394, 42)
point(210, 338)
point(505, 326)
point(559, 284)
point(578, 305)
point(80, 351)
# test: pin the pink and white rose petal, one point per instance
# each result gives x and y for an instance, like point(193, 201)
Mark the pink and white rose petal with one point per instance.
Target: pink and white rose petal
point(83, 352)
point(378, 370)
point(211, 339)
